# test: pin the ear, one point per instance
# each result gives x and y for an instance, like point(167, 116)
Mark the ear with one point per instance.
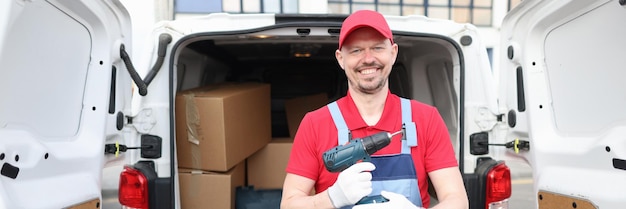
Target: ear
point(339, 58)
point(394, 52)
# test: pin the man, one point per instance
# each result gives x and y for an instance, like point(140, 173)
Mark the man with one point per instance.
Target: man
point(400, 171)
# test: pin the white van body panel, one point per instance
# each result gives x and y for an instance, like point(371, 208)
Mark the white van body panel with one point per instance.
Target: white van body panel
point(57, 54)
point(571, 57)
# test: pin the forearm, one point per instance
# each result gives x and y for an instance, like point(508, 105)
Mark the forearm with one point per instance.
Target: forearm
point(318, 201)
point(453, 202)
point(450, 189)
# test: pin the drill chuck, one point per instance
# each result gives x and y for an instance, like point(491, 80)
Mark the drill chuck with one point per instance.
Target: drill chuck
point(376, 142)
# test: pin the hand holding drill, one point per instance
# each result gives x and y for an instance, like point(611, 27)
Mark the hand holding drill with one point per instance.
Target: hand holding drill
point(354, 181)
point(352, 184)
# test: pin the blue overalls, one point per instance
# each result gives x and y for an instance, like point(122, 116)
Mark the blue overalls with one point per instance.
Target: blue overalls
point(396, 172)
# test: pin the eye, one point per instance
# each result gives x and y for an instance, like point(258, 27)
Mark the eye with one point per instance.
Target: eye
point(378, 48)
point(355, 51)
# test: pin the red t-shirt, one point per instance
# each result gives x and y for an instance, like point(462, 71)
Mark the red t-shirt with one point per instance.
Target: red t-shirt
point(317, 133)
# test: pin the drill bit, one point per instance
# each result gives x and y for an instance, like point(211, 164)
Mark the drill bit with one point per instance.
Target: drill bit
point(395, 133)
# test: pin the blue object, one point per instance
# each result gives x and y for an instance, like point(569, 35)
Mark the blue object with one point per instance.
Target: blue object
point(372, 199)
point(249, 198)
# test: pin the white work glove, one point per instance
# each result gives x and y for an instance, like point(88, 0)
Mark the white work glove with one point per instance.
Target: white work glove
point(352, 184)
point(396, 201)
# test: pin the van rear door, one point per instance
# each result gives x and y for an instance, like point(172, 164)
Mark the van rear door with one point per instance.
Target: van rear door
point(562, 87)
point(64, 93)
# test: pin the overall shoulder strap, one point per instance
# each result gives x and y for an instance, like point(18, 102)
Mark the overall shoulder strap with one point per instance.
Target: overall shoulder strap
point(343, 133)
point(410, 131)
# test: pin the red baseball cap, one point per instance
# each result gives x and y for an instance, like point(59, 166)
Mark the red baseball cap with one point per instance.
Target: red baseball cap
point(364, 18)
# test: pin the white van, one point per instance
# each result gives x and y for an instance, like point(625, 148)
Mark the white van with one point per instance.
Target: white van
point(82, 126)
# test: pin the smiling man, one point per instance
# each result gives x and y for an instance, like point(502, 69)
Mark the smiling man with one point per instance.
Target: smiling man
point(401, 170)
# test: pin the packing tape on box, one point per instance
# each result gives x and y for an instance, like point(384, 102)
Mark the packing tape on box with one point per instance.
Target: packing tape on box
point(193, 129)
point(194, 186)
point(193, 119)
point(196, 158)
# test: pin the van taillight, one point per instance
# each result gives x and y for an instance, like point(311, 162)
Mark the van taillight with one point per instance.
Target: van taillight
point(133, 190)
point(498, 189)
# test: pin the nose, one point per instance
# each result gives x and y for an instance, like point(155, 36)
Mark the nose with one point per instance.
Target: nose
point(368, 56)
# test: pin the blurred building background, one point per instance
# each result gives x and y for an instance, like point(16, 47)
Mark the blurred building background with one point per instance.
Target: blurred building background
point(487, 15)
point(484, 13)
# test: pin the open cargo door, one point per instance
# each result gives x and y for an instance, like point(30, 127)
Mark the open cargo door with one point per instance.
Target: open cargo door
point(64, 93)
point(562, 86)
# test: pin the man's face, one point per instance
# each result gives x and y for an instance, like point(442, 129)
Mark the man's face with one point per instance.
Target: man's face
point(367, 57)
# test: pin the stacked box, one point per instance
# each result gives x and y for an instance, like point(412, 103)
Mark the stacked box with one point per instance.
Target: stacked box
point(266, 168)
point(219, 126)
point(296, 108)
point(203, 189)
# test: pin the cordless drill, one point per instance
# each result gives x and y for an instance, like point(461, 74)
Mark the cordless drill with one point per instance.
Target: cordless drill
point(341, 157)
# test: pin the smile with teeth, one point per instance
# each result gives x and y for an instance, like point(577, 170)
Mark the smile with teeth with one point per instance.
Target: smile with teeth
point(368, 71)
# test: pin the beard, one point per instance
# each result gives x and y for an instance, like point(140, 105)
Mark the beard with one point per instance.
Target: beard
point(369, 85)
point(372, 86)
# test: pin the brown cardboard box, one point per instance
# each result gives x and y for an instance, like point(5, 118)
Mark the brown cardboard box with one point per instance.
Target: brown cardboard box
point(297, 107)
point(219, 126)
point(202, 189)
point(266, 168)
